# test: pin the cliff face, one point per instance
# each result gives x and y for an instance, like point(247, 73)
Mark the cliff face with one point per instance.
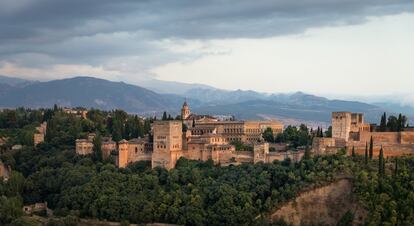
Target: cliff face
point(325, 205)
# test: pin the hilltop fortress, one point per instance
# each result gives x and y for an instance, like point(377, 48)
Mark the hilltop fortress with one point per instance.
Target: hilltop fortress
point(349, 131)
point(205, 138)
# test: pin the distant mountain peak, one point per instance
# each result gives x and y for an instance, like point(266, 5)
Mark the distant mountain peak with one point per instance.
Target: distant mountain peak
point(14, 82)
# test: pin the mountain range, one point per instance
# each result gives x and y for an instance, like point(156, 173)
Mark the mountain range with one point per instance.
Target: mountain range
point(154, 97)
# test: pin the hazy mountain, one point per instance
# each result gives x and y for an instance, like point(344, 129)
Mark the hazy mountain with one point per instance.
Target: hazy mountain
point(168, 87)
point(14, 82)
point(219, 96)
point(98, 93)
point(397, 107)
point(90, 92)
point(297, 107)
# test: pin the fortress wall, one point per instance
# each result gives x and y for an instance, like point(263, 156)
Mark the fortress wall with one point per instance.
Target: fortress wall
point(140, 156)
point(243, 156)
point(193, 154)
point(407, 137)
point(389, 150)
point(320, 144)
point(380, 137)
point(245, 153)
point(280, 156)
point(273, 157)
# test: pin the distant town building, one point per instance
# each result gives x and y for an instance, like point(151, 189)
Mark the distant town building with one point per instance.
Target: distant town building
point(77, 112)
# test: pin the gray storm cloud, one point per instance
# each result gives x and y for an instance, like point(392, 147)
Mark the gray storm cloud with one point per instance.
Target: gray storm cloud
point(97, 32)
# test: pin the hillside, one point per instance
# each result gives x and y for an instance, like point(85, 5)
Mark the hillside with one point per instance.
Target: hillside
point(330, 203)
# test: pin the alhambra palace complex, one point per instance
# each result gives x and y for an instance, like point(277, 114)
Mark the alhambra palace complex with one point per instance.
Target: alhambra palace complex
point(208, 138)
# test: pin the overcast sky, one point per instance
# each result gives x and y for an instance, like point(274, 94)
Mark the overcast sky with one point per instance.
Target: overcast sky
point(332, 47)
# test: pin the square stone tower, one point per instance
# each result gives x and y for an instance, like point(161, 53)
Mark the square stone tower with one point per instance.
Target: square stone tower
point(123, 154)
point(341, 125)
point(168, 144)
point(347, 125)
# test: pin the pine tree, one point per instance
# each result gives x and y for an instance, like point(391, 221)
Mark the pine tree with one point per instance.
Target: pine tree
point(371, 148)
point(366, 153)
point(353, 151)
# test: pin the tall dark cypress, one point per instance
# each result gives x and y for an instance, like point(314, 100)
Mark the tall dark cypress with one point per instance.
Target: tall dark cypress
point(383, 125)
point(371, 148)
point(353, 151)
point(366, 153)
point(307, 154)
point(396, 167)
point(381, 164)
point(400, 125)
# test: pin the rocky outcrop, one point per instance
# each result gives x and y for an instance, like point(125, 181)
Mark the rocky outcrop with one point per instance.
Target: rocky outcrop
point(325, 205)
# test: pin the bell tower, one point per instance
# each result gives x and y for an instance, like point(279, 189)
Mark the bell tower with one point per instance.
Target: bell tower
point(185, 111)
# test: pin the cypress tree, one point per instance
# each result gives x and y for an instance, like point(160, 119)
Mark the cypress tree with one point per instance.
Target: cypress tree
point(381, 164)
point(97, 151)
point(400, 125)
point(307, 152)
point(353, 151)
point(383, 125)
point(371, 148)
point(366, 153)
point(193, 123)
point(396, 167)
point(164, 116)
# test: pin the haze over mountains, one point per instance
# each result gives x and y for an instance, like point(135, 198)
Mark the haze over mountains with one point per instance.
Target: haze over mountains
point(159, 96)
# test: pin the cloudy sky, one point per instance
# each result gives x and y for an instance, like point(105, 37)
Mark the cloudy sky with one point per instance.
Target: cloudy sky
point(333, 47)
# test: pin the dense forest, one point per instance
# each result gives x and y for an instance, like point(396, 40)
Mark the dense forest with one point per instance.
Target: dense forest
point(194, 193)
